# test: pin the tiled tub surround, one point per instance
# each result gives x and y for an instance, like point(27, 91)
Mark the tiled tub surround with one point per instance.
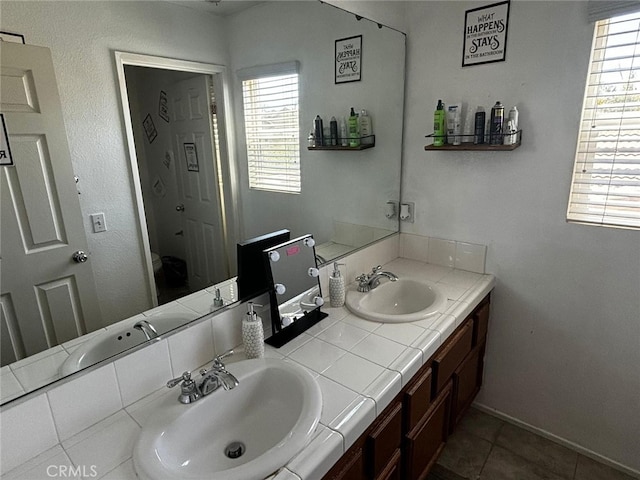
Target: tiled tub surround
point(92, 422)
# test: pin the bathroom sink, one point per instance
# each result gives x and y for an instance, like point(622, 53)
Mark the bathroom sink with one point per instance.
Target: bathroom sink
point(266, 420)
point(119, 338)
point(405, 300)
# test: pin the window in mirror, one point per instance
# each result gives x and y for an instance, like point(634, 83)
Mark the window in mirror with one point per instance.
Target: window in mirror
point(272, 126)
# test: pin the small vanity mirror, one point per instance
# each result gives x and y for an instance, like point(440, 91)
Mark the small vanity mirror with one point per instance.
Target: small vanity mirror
point(295, 294)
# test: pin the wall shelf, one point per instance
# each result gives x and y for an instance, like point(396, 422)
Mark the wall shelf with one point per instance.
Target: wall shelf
point(371, 138)
point(470, 146)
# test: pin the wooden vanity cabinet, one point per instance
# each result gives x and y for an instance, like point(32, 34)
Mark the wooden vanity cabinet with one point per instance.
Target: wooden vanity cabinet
point(404, 442)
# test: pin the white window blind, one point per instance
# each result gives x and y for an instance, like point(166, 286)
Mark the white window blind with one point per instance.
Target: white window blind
point(606, 178)
point(272, 127)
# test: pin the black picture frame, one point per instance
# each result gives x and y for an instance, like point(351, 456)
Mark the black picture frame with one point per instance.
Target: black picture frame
point(12, 37)
point(485, 34)
point(348, 59)
point(191, 157)
point(149, 128)
point(6, 159)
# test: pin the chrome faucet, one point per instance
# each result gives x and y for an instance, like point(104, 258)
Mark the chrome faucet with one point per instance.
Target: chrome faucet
point(367, 282)
point(210, 380)
point(145, 327)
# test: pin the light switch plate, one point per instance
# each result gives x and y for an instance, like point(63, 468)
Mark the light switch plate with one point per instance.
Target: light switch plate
point(97, 220)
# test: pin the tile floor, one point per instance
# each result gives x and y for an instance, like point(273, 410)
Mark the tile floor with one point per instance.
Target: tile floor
point(486, 448)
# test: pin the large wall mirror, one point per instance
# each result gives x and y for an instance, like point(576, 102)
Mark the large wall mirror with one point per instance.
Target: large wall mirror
point(119, 211)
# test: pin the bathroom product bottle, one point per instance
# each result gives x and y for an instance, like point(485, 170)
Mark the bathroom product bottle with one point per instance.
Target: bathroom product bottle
point(513, 118)
point(439, 122)
point(344, 137)
point(457, 127)
point(333, 128)
point(319, 131)
point(354, 134)
point(252, 334)
point(366, 130)
point(497, 119)
point(336, 287)
point(478, 133)
point(312, 138)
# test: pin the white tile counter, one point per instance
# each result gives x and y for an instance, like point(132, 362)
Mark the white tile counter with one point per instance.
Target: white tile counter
point(360, 366)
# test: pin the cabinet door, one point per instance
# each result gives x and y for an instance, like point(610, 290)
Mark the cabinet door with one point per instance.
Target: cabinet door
point(425, 442)
point(392, 470)
point(481, 324)
point(349, 467)
point(467, 380)
point(447, 360)
point(417, 399)
point(384, 440)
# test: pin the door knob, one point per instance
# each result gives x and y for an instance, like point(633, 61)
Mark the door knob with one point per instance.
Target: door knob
point(80, 257)
point(180, 207)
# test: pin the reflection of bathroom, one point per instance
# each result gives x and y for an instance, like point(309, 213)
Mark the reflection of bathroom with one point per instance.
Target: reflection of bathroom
point(158, 169)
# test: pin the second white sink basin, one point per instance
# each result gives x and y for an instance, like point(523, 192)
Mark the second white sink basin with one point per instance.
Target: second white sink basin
point(272, 414)
point(118, 339)
point(405, 300)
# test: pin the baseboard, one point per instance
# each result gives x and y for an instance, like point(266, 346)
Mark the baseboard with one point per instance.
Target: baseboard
point(550, 436)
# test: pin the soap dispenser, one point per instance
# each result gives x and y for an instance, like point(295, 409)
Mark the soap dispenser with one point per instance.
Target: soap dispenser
point(253, 334)
point(336, 287)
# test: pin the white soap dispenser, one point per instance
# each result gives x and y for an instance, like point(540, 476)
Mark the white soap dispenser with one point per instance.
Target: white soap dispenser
point(336, 287)
point(253, 334)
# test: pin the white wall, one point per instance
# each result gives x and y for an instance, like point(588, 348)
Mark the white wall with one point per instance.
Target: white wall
point(82, 37)
point(564, 340)
point(344, 186)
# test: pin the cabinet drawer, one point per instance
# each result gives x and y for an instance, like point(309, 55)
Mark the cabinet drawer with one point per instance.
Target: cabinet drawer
point(481, 324)
point(417, 399)
point(392, 470)
point(448, 359)
point(425, 442)
point(384, 439)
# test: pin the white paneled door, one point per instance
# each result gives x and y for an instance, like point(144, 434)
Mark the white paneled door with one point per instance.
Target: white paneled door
point(47, 297)
point(198, 186)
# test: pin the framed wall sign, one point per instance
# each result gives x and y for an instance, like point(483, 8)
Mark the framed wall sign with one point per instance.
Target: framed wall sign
point(11, 37)
point(150, 128)
point(485, 34)
point(191, 155)
point(163, 107)
point(5, 149)
point(348, 57)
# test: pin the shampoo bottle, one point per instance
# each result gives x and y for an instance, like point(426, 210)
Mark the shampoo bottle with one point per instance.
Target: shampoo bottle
point(478, 134)
point(354, 135)
point(366, 130)
point(252, 334)
point(336, 287)
point(344, 137)
point(439, 125)
point(333, 128)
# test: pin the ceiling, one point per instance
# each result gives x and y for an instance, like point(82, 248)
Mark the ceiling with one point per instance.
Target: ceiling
point(221, 8)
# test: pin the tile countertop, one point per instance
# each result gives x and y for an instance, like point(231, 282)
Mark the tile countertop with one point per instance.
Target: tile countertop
point(360, 366)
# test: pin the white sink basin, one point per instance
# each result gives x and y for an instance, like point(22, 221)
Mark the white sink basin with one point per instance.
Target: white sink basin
point(405, 300)
point(119, 338)
point(273, 411)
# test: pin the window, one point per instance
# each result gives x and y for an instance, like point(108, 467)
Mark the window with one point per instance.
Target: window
point(272, 126)
point(606, 179)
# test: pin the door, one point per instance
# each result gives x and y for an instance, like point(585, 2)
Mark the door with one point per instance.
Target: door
point(198, 186)
point(46, 297)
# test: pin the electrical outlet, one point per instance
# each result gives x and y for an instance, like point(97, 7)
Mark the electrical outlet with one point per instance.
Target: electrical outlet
point(99, 225)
